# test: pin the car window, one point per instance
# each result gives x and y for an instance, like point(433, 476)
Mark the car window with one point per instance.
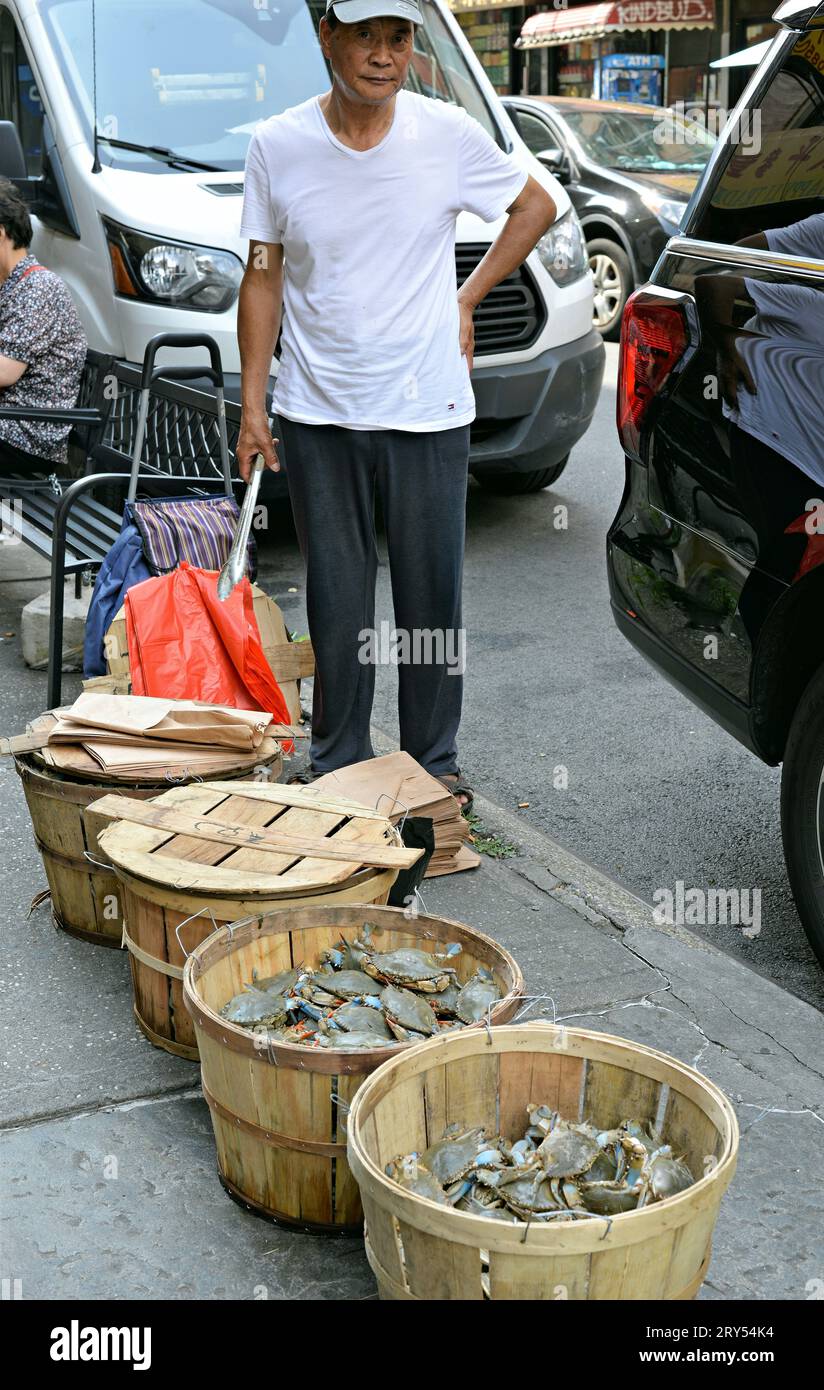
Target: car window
point(772, 174)
point(535, 131)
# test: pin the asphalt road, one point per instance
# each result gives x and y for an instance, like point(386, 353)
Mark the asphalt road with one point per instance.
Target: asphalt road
point(655, 793)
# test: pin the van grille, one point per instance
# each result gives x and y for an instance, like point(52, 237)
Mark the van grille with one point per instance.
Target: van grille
point(512, 315)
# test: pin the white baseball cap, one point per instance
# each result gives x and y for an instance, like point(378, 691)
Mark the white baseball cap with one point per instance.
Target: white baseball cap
point(352, 11)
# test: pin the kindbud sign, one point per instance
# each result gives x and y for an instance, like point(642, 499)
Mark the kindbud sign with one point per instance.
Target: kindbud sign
point(76, 1343)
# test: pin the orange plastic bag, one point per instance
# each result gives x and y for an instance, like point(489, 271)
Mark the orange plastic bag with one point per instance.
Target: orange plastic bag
point(185, 644)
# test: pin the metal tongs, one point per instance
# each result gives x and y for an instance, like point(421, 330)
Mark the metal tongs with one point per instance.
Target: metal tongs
point(235, 566)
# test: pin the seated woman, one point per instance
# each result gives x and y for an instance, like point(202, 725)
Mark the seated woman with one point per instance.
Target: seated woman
point(42, 344)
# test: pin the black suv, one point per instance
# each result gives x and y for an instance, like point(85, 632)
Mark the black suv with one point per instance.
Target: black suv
point(716, 555)
point(629, 170)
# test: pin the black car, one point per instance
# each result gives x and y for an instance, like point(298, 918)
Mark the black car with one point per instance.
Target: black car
point(716, 555)
point(629, 170)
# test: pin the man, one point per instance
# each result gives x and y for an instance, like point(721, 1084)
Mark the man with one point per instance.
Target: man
point(42, 343)
point(350, 206)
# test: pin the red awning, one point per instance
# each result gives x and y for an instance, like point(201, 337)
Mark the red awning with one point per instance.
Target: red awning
point(553, 27)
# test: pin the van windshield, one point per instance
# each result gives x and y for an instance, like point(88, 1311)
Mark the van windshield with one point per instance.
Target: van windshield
point(196, 76)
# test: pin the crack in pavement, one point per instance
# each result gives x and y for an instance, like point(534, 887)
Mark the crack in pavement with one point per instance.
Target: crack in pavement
point(183, 1092)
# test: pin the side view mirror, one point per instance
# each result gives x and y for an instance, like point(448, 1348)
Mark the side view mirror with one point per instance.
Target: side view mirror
point(557, 162)
point(12, 159)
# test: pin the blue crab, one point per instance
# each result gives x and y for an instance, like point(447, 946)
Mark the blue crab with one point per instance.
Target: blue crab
point(407, 1011)
point(409, 1172)
point(254, 1008)
point(477, 996)
point(453, 1157)
point(408, 966)
point(359, 1018)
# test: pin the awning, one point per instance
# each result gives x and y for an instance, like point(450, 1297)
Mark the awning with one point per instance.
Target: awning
point(553, 27)
point(745, 57)
point(457, 6)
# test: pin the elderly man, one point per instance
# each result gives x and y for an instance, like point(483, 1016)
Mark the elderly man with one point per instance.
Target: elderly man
point(350, 207)
point(42, 343)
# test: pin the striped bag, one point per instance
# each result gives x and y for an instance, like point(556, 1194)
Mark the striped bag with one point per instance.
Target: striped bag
point(198, 530)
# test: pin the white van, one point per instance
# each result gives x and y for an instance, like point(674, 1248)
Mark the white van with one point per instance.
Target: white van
point(142, 221)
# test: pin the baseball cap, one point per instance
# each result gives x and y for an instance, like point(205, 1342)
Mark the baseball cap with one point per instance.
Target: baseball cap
point(352, 11)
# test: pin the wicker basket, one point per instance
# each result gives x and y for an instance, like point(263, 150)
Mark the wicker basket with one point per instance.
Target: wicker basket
point(279, 1113)
point(421, 1250)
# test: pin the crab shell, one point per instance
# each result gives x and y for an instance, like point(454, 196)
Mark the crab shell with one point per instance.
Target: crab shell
point(358, 1018)
point(412, 1174)
point(254, 1008)
point(566, 1152)
point(277, 984)
point(346, 984)
point(451, 1159)
point(476, 998)
point(408, 1010)
point(407, 966)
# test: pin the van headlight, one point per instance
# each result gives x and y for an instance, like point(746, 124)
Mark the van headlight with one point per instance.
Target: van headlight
point(171, 272)
point(563, 250)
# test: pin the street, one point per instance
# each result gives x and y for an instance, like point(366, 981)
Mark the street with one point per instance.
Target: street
point(656, 792)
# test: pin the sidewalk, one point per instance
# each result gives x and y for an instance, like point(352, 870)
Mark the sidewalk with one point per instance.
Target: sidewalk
point(107, 1149)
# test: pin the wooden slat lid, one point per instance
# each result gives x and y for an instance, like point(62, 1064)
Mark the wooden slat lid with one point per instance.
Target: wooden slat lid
point(222, 855)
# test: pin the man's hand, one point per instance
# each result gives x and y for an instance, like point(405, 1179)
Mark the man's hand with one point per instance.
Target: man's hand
point(258, 321)
point(467, 330)
point(528, 218)
point(255, 438)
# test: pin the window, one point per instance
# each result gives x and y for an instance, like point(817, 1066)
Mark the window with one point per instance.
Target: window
point(19, 98)
point(773, 174)
point(536, 133)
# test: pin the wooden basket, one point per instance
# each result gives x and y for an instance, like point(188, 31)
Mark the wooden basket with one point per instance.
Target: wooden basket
point(279, 1112)
point(85, 896)
point(421, 1250)
point(177, 888)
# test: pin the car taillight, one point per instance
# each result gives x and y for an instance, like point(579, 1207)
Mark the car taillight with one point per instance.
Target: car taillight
point(655, 335)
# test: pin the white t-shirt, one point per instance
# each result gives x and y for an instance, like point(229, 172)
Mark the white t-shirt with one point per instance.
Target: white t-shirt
point(370, 315)
point(786, 358)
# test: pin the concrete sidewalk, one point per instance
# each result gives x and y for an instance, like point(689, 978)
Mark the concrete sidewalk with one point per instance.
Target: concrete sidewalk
point(107, 1147)
point(110, 1187)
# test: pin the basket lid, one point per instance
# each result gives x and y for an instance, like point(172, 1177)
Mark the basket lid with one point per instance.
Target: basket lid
point(248, 838)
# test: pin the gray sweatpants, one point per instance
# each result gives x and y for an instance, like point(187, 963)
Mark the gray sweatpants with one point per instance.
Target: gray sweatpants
point(422, 480)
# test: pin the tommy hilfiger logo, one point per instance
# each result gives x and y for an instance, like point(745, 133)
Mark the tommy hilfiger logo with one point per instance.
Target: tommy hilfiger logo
point(450, 405)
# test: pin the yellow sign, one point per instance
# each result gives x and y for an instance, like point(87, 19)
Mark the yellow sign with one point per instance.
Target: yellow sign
point(785, 165)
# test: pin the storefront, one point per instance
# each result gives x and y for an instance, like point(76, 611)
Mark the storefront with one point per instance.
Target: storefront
point(492, 32)
point(653, 51)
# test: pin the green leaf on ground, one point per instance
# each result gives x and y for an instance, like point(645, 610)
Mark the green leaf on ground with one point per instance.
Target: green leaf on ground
point(485, 842)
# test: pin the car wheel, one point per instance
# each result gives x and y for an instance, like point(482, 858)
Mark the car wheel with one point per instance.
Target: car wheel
point(612, 274)
point(516, 484)
point(802, 811)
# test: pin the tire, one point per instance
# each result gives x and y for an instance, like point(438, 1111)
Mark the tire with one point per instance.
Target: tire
point(516, 484)
point(612, 273)
point(802, 811)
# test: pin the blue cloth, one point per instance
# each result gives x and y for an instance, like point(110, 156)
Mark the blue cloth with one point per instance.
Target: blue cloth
point(124, 566)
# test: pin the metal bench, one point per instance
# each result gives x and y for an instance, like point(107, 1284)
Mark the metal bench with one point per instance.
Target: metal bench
point(150, 430)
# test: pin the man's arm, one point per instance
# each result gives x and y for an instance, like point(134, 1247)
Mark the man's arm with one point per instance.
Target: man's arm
point(258, 325)
point(10, 370)
point(532, 214)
